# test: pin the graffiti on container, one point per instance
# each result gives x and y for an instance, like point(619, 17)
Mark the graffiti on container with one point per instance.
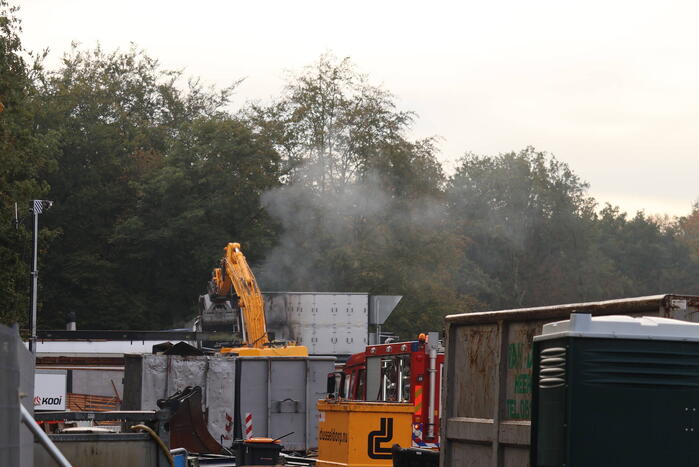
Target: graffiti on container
point(519, 409)
point(523, 383)
point(519, 362)
point(516, 357)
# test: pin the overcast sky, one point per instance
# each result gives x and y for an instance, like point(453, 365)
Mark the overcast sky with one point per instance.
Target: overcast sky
point(611, 88)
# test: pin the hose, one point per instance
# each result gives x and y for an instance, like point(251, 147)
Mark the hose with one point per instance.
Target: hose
point(157, 439)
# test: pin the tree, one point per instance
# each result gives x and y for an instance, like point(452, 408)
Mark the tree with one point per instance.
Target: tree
point(650, 255)
point(27, 154)
point(323, 187)
point(689, 231)
point(203, 195)
point(362, 206)
point(529, 222)
point(331, 125)
point(124, 126)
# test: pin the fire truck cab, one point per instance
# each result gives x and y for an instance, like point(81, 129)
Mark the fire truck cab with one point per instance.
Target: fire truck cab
point(407, 372)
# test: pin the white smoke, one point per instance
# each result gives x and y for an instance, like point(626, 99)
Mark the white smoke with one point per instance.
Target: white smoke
point(319, 227)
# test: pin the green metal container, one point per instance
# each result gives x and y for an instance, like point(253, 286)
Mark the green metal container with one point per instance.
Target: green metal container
point(616, 391)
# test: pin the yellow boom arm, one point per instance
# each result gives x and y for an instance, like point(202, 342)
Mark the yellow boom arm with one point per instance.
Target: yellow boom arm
point(239, 276)
point(235, 274)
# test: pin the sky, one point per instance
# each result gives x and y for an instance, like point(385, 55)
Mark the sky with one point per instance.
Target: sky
point(611, 88)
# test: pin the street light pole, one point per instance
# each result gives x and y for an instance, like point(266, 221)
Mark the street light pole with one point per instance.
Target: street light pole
point(38, 206)
point(35, 282)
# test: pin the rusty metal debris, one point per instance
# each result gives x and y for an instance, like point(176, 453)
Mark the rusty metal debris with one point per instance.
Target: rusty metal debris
point(187, 424)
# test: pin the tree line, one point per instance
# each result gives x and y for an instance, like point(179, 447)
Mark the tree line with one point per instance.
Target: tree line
point(151, 174)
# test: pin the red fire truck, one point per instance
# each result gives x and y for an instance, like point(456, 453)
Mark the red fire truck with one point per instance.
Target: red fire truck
point(399, 372)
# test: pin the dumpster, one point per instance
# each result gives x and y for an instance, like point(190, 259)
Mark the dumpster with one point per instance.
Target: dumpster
point(359, 434)
point(277, 395)
point(486, 384)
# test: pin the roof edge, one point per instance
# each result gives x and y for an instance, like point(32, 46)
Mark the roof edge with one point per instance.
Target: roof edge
point(644, 304)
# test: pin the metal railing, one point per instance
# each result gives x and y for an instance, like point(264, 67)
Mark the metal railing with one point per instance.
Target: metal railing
point(43, 438)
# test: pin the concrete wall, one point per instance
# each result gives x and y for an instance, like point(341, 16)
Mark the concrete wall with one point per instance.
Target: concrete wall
point(98, 382)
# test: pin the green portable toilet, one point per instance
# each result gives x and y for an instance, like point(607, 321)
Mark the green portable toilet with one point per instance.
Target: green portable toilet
point(614, 391)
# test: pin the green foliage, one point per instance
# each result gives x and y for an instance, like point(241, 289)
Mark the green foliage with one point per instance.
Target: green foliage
point(529, 221)
point(331, 125)
point(688, 228)
point(205, 194)
point(146, 190)
point(152, 176)
point(362, 208)
point(26, 154)
point(649, 255)
point(536, 238)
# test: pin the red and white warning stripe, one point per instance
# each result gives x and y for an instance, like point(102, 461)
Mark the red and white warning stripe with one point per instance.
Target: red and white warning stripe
point(248, 425)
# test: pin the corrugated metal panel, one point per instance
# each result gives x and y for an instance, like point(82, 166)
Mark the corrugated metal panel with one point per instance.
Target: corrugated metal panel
point(326, 323)
point(487, 386)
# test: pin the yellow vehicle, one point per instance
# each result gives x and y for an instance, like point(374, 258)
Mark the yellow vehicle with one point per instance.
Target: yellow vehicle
point(234, 303)
point(386, 395)
point(360, 433)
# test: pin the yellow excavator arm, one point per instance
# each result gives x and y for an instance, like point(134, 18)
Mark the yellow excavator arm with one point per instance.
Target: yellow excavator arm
point(235, 275)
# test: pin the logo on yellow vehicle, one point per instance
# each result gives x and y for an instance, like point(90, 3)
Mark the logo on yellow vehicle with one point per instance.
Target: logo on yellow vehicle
point(378, 437)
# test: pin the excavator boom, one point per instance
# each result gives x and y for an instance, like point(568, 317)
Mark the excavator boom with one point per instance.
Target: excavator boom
point(236, 273)
point(235, 278)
